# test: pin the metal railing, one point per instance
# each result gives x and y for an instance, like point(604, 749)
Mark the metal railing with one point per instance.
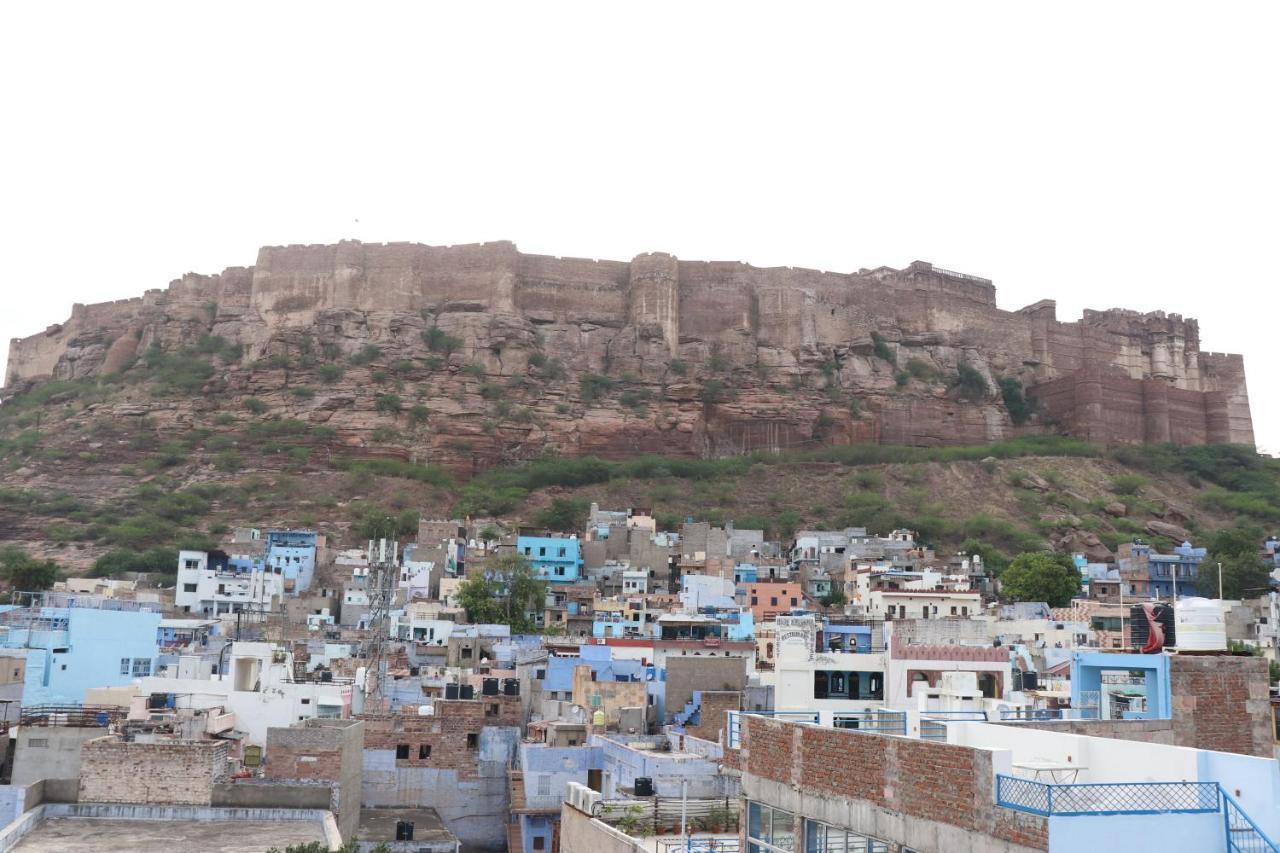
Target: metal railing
point(1137, 798)
point(1034, 714)
point(963, 276)
point(734, 734)
point(1106, 798)
point(1243, 835)
point(876, 722)
point(693, 844)
point(933, 724)
point(657, 815)
point(71, 716)
point(955, 716)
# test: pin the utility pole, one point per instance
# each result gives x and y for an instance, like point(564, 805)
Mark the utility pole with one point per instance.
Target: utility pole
point(1219, 581)
point(381, 585)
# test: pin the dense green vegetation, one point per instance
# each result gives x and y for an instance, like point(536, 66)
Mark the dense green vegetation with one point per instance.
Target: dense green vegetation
point(25, 573)
point(509, 593)
point(1041, 577)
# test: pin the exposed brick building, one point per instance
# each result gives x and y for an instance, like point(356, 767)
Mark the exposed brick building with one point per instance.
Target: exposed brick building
point(113, 770)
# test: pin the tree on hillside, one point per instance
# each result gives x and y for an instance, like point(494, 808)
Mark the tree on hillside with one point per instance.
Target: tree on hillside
point(1244, 574)
point(25, 573)
point(1041, 577)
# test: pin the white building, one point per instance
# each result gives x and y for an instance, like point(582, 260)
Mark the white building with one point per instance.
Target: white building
point(828, 681)
point(635, 582)
point(415, 578)
point(256, 683)
point(215, 585)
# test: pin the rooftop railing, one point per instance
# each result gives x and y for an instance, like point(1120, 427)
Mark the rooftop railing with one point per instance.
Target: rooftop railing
point(877, 722)
point(1137, 798)
point(1103, 798)
point(71, 716)
point(734, 740)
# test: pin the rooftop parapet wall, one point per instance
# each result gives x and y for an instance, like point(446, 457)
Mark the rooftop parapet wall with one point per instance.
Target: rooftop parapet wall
point(927, 795)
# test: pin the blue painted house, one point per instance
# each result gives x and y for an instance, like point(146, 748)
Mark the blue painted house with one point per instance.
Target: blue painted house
point(557, 559)
point(546, 771)
point(74, 642)
point(1183, 564)
point(293, 554)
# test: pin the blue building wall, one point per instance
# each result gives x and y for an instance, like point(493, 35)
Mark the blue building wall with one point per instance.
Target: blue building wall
point(88, 652)
point(849, 638)
point(294, 553)
point(556, 559)
point(1086, 677)
point(559, 677)
point(1142, 833)
point(741, 629)
point(1185, 560)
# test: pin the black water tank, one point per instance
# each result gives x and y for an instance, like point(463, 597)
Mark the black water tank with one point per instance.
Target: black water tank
point(511, 686)
point(489, 687)
point(451, 691)
point(326, 677)
point(1140, 630)
point(468, 692)
point(1030, 680)
point(644, 786)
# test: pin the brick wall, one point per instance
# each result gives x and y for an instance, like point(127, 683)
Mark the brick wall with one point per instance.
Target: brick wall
point(180, 773)
point(1221, 702)
point(714, 723)
point(687, 674)
point(936, 782)
point(614, 695)
point(445, 732)
point(322, 751)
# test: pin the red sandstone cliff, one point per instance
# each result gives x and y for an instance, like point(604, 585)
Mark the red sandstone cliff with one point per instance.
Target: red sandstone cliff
point(699, 358)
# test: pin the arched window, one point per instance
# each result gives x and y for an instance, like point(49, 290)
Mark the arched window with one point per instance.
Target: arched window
point(987, 684)
point(768, 650)
point(917, 677)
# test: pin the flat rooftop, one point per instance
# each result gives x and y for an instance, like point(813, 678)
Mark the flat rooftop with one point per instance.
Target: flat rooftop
point(379, 824)
point(84, 835)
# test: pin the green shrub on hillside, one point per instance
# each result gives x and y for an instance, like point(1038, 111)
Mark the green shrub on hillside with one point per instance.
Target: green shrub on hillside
point(881, 348)
point(970, 383)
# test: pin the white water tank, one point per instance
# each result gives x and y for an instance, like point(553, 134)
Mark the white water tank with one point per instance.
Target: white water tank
point(1199, 625)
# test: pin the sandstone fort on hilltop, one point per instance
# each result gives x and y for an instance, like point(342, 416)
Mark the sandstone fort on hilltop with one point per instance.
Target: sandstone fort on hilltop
point(796, 357)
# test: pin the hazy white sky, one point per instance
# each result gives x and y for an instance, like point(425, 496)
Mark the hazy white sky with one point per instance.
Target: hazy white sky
point(1101, 154)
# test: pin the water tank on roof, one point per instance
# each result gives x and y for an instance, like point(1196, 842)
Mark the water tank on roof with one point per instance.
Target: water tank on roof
point(489, 687)
point(511, 686)
point(1200, 625)
point(451, 691)
point(644, 786)
point(466, 691)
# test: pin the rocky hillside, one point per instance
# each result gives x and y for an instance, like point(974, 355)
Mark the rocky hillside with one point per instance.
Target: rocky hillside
point(342, 385)
point(144, 463)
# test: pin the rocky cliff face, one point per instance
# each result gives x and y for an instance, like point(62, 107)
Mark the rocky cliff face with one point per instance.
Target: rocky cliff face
point(473, 355)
